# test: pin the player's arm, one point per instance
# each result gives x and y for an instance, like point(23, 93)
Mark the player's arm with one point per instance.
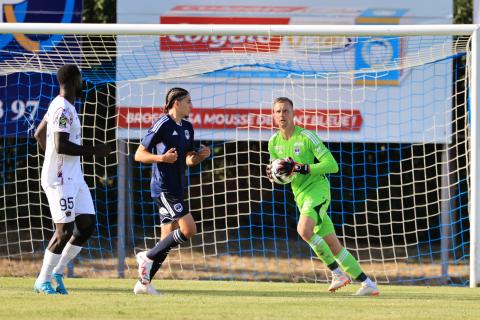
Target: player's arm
point(326, 161)
point(41, 134)
point(64, 146)
point(143, 155)
point(195, 157)
point(154, 137)
point(61, 126)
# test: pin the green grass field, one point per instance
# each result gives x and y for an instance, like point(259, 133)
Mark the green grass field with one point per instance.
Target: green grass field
point(113, 299)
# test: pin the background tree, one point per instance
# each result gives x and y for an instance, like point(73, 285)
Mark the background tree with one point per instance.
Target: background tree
point(463, 11)
point(99, 11)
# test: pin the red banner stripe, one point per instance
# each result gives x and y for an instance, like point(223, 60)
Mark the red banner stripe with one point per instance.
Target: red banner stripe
point(245, 118)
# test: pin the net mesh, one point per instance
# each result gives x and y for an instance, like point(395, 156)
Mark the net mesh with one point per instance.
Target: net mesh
point(393, 111)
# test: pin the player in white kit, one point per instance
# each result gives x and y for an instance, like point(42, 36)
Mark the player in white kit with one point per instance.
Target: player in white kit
point(69, 198)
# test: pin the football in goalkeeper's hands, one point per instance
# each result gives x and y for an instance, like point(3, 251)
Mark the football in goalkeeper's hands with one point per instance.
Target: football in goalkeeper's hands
point(278, 173)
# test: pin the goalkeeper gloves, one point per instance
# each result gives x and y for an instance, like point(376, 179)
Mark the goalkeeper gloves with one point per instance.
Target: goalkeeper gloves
point(269, 172)
point(299, 167)
point(290, 166)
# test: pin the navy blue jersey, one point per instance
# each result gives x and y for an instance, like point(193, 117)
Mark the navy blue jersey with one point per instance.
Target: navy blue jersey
point(161, 137)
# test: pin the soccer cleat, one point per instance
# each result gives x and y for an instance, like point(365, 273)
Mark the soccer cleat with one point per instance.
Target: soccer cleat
point(338, 280)
point(144, 289)
point(60, 286)
point(45, 287)
point(368, 290)
point(144, 267)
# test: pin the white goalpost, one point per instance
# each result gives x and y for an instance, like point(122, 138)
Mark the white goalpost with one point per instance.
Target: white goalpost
point(475, 187)
point(396, 105)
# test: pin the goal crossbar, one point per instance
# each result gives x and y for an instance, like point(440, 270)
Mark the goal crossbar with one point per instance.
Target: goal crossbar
point(225, 29)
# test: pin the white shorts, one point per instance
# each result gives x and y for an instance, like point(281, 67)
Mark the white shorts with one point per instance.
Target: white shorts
point(68, 201)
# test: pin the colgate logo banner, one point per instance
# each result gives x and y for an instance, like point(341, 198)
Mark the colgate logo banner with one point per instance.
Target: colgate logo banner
point(197, 43)
point(245, 118)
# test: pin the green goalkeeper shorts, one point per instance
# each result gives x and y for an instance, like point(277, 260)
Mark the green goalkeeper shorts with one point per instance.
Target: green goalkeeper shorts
point(318, 212)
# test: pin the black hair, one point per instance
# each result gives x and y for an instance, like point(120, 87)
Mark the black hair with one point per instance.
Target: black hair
point(172, 95)
point(283, 100)
point(67, 74)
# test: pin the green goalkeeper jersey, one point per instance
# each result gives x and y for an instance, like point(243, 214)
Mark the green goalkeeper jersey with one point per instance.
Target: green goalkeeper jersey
point(304, 146)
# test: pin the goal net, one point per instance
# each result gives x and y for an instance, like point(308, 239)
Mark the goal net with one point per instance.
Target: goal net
point(392, 109)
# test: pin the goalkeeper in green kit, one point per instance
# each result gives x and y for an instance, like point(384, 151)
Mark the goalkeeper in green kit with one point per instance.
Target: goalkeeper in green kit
point(299, 148)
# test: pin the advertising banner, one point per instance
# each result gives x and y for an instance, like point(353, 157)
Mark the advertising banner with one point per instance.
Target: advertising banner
point(25, 97)
point(336, 90)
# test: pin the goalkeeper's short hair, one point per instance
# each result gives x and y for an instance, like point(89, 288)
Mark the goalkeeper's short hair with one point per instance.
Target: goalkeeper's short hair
point(283, 100)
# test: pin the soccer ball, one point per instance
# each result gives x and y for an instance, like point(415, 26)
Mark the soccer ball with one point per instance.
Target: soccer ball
point(279, 177)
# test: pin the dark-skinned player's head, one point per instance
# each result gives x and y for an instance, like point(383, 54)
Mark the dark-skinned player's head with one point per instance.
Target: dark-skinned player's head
point(70, 78)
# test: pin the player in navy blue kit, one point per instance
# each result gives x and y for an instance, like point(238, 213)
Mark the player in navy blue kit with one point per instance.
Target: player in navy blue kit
point(169, 147)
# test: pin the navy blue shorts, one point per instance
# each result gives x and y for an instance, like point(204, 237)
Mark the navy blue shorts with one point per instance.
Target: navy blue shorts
point(170, 208)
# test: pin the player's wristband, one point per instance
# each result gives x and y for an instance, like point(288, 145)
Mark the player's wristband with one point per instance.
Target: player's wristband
point(301, 168)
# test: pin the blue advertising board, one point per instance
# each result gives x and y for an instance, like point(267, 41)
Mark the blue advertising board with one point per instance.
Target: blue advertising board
point(24, 97)
point(378, 52)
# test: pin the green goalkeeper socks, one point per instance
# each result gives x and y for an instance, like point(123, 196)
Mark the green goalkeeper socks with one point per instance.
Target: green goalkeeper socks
point(344, 258)
point(322, 250)
point(349, 263)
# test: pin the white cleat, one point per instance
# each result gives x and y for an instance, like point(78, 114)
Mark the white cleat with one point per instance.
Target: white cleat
point(368, 290)
point(338, 280)
point(144, 267)
point(144, 289)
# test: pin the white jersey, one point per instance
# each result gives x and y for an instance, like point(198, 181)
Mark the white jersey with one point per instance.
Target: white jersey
point(59, 169)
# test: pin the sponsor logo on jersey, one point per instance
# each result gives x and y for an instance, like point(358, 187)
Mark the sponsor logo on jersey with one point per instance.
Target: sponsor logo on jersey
point(279, 150)
point(297, 148)
point(62, 121)
point(68, 213)
point(63, 118)
point(306, 205)
point(178, 207)
point(174, 133)
point(163, 210)
point(187, 134)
